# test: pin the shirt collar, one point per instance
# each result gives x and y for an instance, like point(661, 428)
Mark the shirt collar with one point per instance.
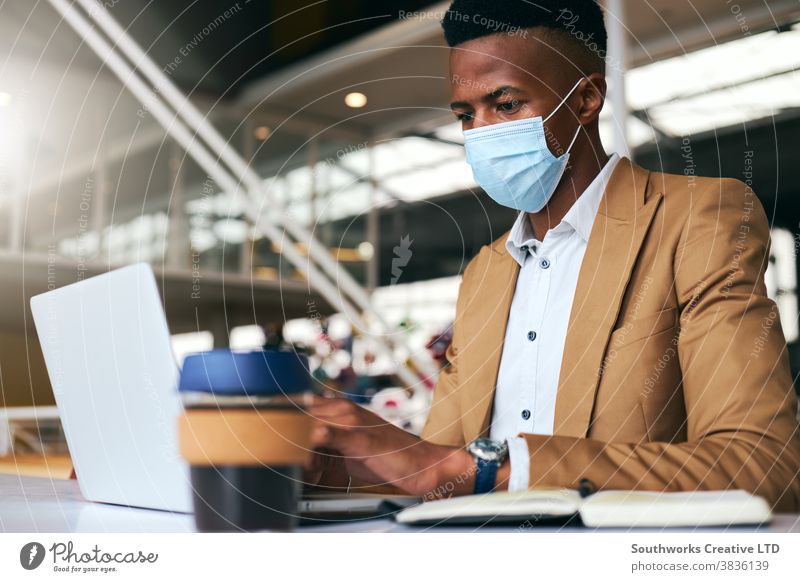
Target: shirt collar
point(580, 217)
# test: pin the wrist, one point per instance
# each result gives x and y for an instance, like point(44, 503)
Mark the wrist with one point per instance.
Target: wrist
point(453, 473)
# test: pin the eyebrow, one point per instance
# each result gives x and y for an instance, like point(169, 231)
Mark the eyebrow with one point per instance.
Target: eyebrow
point(490, 96)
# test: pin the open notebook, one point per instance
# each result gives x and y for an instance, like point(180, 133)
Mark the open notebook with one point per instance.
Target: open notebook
point(604, 509)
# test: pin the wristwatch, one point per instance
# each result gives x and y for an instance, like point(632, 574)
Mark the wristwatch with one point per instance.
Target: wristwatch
point(488, 455)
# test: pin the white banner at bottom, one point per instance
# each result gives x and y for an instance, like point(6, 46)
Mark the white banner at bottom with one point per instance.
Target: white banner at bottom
point(334, 557)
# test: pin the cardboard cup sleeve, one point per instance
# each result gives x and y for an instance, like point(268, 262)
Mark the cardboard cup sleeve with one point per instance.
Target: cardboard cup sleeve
point(244, 437)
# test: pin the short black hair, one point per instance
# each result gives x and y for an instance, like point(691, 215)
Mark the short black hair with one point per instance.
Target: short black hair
point(582, 20)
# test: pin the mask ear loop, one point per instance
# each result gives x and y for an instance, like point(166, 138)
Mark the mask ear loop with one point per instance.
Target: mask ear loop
point(564, 100)
point(578, 131)
point(574, 139)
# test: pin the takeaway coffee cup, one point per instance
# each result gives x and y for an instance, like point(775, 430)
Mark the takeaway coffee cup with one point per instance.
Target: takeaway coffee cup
point(245, 435)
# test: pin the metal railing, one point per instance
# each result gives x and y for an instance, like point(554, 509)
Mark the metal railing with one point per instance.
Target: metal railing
point(232, 173)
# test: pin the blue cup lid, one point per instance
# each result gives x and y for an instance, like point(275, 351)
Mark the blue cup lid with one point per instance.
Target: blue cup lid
point(257, 373)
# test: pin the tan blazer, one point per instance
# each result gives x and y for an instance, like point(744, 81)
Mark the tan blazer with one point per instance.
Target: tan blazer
point(675, 374)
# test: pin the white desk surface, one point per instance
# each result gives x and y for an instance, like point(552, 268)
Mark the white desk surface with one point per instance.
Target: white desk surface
point(36, 504)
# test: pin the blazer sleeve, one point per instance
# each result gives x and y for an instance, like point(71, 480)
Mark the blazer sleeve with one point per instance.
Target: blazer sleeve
point(742, 429)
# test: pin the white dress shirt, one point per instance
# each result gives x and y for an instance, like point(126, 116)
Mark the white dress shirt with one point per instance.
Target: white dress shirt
point(527, 381)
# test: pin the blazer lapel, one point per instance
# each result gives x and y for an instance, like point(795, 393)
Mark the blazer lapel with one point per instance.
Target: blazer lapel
point(491, 304)
point(619, 229)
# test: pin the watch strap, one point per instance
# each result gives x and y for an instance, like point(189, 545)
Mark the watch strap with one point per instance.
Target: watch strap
point(485, 476)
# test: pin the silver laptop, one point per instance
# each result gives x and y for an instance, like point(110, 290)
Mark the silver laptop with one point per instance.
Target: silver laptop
point(108, 353)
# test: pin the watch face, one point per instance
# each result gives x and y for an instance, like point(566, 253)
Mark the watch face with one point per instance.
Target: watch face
point(489, 450)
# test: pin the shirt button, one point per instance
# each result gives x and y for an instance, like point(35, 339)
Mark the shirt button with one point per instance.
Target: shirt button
point(544, 263)
point(526, 414)
point(524, 248)
point(531, 335)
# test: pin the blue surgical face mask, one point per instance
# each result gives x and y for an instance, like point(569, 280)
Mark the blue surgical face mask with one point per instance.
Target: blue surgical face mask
point(512, 163)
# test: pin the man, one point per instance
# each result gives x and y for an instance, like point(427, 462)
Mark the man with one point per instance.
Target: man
point(619, 333)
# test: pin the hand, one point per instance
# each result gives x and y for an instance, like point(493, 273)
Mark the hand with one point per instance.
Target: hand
point(336, 470)
point(379, 452)
point(319, 461)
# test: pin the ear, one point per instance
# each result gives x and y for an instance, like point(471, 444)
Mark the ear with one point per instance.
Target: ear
point(593, 94)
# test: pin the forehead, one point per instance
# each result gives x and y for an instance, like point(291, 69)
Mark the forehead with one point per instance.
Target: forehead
point(481, 65)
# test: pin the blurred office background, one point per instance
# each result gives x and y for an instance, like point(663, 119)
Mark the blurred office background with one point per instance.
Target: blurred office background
point(341, 108)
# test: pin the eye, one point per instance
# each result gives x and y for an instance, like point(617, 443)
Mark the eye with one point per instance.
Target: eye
point(465, 116)
point(508, 106)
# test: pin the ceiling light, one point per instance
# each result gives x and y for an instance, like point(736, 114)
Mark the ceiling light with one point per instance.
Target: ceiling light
point(5, 99)
point(262, 132)
point(355, 100)
point(366, 251)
